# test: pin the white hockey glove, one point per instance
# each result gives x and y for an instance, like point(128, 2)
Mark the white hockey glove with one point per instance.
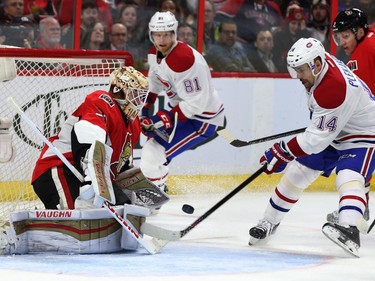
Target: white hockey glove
point(6, 150)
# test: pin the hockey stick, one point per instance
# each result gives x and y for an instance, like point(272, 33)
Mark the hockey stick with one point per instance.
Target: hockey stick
point(163, 134)
point(229, 137)
point(152, 246)
point(371, 226)
point(172, 235)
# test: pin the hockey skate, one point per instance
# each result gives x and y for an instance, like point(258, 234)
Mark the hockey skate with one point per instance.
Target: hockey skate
point(347, 237)
point(261, 231)
point(334, 216)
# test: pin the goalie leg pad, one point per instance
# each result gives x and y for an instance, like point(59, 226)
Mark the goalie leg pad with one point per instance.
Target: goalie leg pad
point(63, 231)
point(136, 215)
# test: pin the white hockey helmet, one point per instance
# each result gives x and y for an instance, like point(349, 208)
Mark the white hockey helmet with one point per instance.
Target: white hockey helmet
point(162, 21)
point(305, 50)
point(132, 87)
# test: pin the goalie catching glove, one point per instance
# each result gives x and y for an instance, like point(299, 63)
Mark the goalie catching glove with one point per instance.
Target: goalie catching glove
point(276, 158)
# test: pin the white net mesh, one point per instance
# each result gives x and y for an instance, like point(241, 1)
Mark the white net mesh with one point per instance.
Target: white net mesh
point(47, 90)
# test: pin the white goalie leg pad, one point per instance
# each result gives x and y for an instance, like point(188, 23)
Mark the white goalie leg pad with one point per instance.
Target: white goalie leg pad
point(6, 150)
point(297, 177)
point(352, 204)
point(63, 231)
point(152, 162)
point(8, 70)
point(136, 215)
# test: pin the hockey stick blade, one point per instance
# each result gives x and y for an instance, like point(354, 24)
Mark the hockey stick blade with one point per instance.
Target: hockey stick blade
point(173, 235)
point(229, 137)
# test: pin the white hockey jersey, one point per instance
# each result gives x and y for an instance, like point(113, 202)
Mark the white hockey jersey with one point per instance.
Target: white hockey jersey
point(342, 112)
point(185, 77)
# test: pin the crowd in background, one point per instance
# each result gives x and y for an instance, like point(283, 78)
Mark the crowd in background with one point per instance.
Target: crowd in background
point(239, 35)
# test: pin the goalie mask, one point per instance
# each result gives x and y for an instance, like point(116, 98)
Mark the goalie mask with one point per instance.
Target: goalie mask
point(130, 89)
point(305, 50)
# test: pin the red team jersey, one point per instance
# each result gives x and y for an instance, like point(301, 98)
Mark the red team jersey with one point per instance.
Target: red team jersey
point(362, 60)
point(105, 122)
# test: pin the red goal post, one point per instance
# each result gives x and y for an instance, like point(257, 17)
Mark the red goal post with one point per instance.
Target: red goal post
point(48, 85)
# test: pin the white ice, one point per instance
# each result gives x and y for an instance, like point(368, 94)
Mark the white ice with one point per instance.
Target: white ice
point(217, 249)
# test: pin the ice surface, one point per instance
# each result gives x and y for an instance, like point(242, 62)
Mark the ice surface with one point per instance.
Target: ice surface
point(216, 249)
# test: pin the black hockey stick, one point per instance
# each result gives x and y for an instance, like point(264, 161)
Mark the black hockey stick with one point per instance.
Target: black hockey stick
point(165, 234)
point(228, 136)
point(371, 226)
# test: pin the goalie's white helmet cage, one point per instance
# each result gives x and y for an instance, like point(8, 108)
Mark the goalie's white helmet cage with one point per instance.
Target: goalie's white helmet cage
point(305, 50)
point(162, 22)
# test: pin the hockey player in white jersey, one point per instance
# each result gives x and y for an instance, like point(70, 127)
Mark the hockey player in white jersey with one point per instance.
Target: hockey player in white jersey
point(340, 135)
point(194, 109)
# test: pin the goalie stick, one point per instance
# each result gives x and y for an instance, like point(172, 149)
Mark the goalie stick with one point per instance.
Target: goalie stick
point(153, 246)
point(229, 137)
point(173, 235)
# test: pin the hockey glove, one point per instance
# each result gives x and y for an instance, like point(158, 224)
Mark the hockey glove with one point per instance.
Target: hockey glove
point(151, 98)
point(162, 119)
point(277, 157)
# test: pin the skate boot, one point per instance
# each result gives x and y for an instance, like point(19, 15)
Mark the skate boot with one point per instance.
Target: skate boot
point(261, 231)
point(334, 216)
point(347, 237)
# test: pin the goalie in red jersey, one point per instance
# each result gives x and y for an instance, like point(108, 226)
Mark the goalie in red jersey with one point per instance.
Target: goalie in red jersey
point(110, 117)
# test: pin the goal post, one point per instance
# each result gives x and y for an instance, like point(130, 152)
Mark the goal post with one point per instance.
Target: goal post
point(48, 85)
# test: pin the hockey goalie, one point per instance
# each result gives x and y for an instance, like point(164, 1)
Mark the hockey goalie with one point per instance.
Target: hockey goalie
point(97, 139)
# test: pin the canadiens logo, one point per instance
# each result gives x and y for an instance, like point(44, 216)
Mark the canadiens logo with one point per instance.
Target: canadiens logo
point(353, 65)
point(167, 87)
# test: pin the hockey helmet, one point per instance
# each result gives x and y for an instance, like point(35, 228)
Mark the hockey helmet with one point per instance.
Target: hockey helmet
point(305, 50)
point(162, 21)
point(132, 87)
point(350, 19)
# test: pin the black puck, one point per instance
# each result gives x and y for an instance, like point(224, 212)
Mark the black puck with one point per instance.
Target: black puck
point(188, 209)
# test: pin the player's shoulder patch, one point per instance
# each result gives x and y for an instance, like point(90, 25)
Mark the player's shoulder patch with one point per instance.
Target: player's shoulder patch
point(101, 95)
point(330, 94)
point(152, 50)
point(181, 58)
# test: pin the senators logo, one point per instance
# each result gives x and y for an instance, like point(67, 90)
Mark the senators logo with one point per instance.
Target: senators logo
point(353, 65)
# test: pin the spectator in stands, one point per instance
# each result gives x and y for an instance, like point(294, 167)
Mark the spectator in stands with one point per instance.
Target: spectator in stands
point(227, 54)
point(174, 7)
point(250, 16)
point(89, 16)
point(118, 38)
point(96, 36)
point(12, 9)
point(211, 33)
point(49, 34)
point(186, 34)
point(16, 29)
point(262, 56)
point(368, 6)
point(319, 24)
point(294, 29)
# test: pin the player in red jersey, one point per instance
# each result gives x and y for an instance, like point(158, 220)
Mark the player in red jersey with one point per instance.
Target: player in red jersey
point(352, 33)
point(110, 117)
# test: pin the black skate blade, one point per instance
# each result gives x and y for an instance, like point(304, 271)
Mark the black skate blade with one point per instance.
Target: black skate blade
point(333, 234)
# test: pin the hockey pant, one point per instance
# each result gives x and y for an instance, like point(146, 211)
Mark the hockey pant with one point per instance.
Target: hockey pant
point(157, 153)
point(353, 167)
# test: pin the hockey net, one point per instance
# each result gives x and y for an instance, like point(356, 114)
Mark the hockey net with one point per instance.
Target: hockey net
point(48, 85)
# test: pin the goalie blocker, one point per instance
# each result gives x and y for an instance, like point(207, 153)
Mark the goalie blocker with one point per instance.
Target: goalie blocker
point(70, 231)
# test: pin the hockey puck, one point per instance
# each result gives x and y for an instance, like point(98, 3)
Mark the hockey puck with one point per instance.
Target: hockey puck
point(188, 209)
